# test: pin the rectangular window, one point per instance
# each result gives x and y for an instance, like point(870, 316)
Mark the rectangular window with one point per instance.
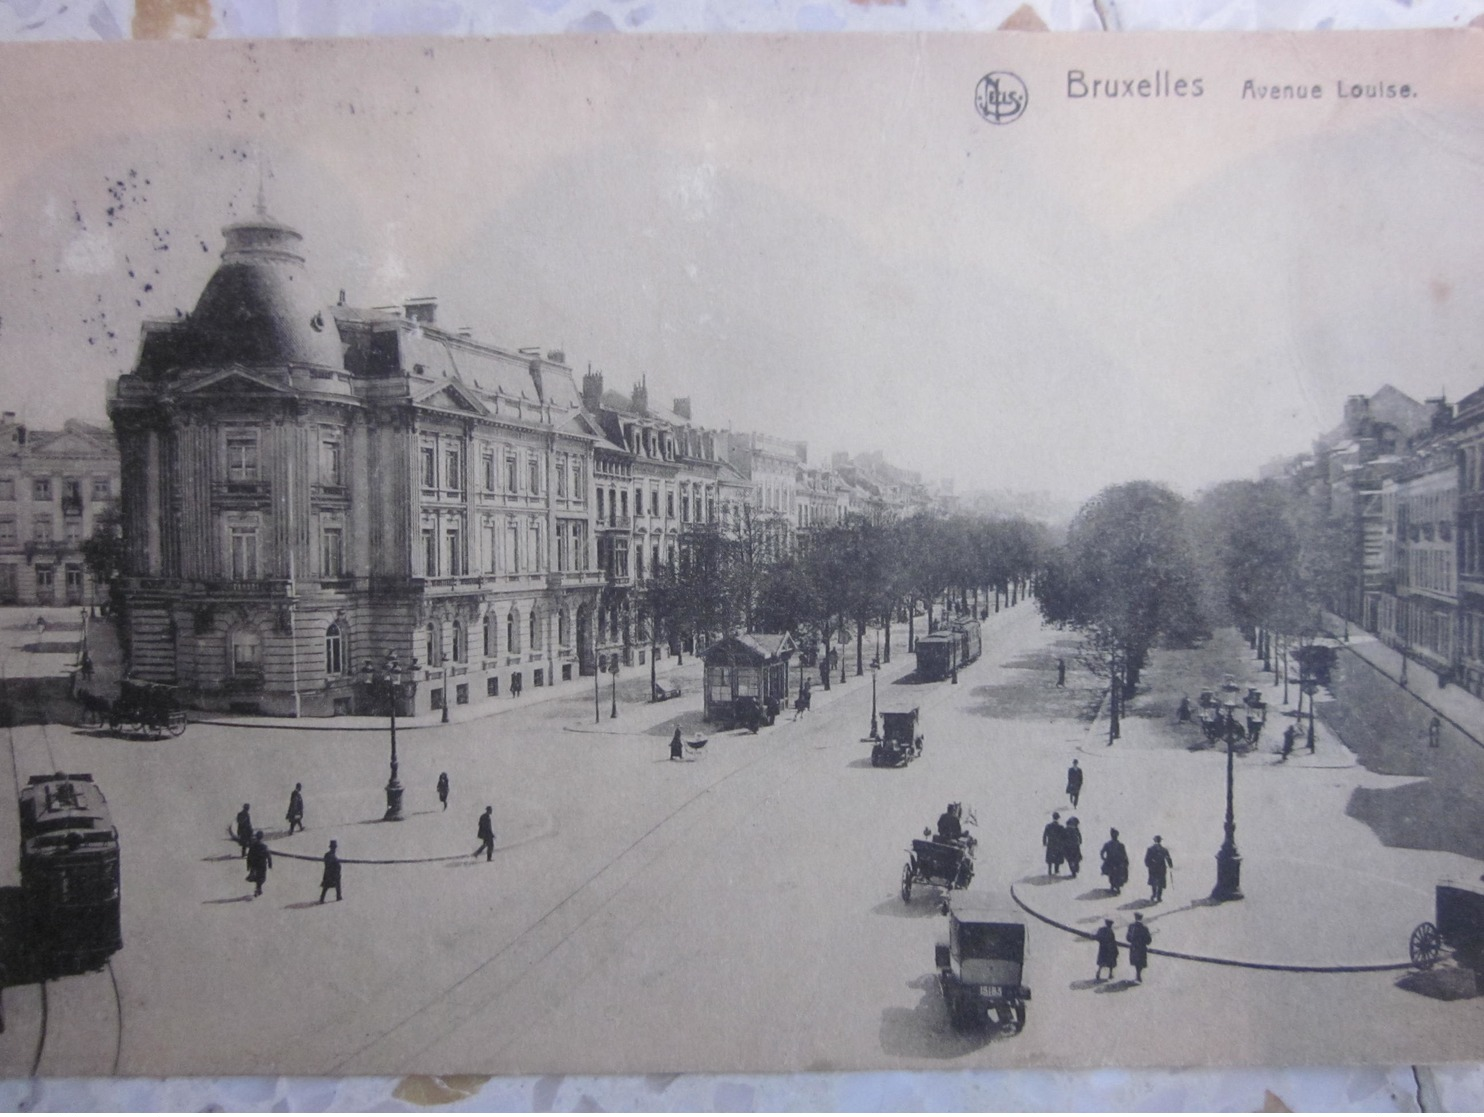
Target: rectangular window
point(242, 457)
point(102, 489)
point(492, 548)
point(7, 531)
point(45, 584)
point(579, 490)
point(330, 464)
point(561, 475)
point(579, 546)
point(7, 488)
point(685, 506)
point(512, 540)
point(332, 552)
point(561, 546)
point(538, 556)
point(654, 502)
point(511, 470)
point(489, 472)
point(72, 495)
point(534, 465)
point(41, 488)
point(454, 479)
point(72, 530)
point(41, 529)
point(600, 505)
point(492, 687)
point(430, 467)
point(244, 554)
point(430, 553)
point(454, 548)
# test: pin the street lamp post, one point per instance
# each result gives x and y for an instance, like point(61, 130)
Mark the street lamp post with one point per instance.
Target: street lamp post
point(389, 678)
point(613, 670)
point(1228, 860)
point(444, 716)
point(875, 732)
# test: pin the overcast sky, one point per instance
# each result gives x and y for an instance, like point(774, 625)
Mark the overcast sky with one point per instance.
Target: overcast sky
point(817, 238)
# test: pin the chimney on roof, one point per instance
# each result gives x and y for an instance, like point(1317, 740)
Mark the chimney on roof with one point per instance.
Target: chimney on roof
point(682, 406)
point(556, 356)
point(640, 398)
point(342, 297)
point(1357, 408)
point(423, 310)
point(592, 391)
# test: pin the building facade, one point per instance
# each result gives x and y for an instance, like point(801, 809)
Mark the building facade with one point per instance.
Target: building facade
point(308, 488)
point(54, 487)
point(1469, 442)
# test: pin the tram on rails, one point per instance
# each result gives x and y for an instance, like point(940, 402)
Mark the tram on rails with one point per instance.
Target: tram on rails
point(948, 649)
point(70, 872)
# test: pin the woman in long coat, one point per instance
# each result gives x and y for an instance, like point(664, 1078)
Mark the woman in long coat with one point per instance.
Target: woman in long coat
point(1072, 844)
point(1138, 945)
point(331, 878)
point(1115, 862)
point(1107, 950)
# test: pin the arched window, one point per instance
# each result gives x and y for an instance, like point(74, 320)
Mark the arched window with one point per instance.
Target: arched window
point(247, 652)
point(491, 634)
point(460, 643)
point(535, 630)
point(512, 631)
point(334, 651)
point(434, 646)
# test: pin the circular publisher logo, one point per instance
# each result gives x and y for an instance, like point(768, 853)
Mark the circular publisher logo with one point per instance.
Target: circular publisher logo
point(1000, 97)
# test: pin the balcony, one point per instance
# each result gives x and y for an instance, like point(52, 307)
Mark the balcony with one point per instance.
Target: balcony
point(72, 506)
point(574, 579)
point(615, 523)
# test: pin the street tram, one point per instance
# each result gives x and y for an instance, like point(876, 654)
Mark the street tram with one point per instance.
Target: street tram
point(950, 648)
point(70, 872)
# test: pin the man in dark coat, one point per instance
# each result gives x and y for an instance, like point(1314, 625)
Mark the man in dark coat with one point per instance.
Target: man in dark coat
point(1138, 945)
point(244, 828)
point(486, 834)
point(296, 808)
point(1289, 735)
point(1072, 845)
point(1115, 862)
point(1053, 837)
point(331, 877)
point(259, 860)
point(1074, 782)
point(1107, 950)
point(950, 826)
point(443, 789)
point(1158, 861)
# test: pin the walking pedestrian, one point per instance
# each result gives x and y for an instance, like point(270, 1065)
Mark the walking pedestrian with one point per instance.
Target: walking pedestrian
point(296, 808)
point(1072, 844)
point(1158, 861)
point(331, 877)
point(1061, 672)
point(677, 746)
point(1053, 837)
point(1182, 713)
point(1107, 950)
point(1138, 946)
point(443, 789)
point(259, 861)
point(1074, 782)
point(486, 834)
point(1434, 732)
point(1289, 735)
point(1115, 863)
point(244, 828)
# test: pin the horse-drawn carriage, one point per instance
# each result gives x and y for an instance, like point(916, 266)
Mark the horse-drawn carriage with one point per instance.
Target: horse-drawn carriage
point(141, 708)
point(1459, 912)
point(900, 741)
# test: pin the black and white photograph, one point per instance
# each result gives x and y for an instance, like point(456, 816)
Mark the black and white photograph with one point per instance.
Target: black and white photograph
point(741, 554)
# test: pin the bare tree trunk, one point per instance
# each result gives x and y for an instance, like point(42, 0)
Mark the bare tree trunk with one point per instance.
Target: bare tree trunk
point(886, 625)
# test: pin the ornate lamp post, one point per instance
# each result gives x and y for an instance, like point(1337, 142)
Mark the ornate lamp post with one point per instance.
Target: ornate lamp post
point(1228, 860)
point(613, 670)
point(389, 680)
point(875, 731)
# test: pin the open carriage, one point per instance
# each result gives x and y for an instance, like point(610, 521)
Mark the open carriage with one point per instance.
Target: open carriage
point(1459, 926)
point(146, 708)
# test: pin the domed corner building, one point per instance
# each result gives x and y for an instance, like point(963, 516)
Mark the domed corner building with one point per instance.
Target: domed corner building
point(307, 488)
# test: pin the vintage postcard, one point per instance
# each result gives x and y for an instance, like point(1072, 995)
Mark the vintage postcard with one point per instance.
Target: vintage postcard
point(759, 554)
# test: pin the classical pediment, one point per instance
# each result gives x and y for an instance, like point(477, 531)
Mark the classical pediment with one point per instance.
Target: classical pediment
point(69, 444)
point(232, 382)
point(451, 397)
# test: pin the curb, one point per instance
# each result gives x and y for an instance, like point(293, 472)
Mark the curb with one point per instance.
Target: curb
point(1282, 967)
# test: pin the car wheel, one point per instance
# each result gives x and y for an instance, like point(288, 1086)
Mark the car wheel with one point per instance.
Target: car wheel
point(906, 884)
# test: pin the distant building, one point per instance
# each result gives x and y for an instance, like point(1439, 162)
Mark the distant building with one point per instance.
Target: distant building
point(1468, 439)
point(309, 487)
point(53, 487)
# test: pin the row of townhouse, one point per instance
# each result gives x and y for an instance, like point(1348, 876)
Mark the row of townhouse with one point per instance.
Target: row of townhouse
point(1408, 478)
point(54, 487)
point(308, 489)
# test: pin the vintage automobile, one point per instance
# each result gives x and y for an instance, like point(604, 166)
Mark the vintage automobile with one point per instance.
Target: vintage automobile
point(1459, 910)
point(981, 963)
point(947, 865)
point(900, 742)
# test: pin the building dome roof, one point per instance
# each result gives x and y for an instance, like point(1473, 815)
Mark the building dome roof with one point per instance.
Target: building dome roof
point(258, 308)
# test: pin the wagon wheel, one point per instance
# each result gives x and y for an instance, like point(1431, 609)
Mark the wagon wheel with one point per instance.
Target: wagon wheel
point(907, 883)
point(177, 723)
point(1425, 946)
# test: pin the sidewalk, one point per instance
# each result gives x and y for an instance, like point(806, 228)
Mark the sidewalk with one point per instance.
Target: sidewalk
point(1452, 703)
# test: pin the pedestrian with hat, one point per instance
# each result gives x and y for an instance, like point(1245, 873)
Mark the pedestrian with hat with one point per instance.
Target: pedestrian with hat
point(1107, 950)
point(1072, 845)
point(1053, 837)
point(1158, 861)
point(1138, 946)
point(331, 877)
